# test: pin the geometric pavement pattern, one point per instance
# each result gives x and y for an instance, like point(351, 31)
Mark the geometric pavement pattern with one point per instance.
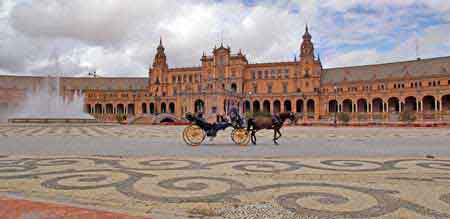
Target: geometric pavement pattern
point(322, 188)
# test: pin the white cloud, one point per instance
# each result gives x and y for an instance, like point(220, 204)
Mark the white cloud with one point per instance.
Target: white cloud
point(119, 37)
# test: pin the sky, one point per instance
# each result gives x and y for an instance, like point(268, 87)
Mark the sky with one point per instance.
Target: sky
point(119, 37)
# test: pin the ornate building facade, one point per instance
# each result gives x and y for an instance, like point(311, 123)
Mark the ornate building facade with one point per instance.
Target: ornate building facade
point(225, 80)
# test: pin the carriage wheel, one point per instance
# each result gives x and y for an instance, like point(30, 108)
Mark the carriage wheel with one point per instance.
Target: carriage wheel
point(240, 137)
point(193, 135)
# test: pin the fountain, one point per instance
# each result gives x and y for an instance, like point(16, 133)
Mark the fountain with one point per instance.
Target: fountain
point(47, 105)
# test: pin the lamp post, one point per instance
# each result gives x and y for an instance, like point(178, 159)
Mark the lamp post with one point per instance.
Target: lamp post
point(337, 107)
point(247, 98)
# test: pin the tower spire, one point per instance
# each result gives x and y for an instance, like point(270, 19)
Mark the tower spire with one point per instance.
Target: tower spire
point(307, 35)
point(160, 57)
point(307, 47)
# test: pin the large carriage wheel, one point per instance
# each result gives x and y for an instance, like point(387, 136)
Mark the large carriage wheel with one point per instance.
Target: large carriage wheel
point(240, 136)
point(193, 135)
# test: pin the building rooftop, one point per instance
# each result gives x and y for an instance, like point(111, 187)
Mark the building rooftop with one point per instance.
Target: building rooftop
point(405, 69)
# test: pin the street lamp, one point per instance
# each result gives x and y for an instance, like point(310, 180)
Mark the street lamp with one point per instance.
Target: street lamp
point(247, 98)
point(337, 107)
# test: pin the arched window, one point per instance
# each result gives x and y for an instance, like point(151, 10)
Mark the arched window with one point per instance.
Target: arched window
point(233, 88)
point(311, 106)
point(347, 106)
point(144, 108)
point(247, 106)
point(172, 108)
point(299, 106)
point(109, 108)
point(152, 108)
point(394, 104)
point(277, 106)
point(131, 109)
point(287, 106)
point(377, 105)
point(98, 109)
point(163, 108)
point(410, 104)
point(120, 109)
point(332, 106)
point(266, 106)
point(429, 104)
point(256, 106)
point(362, 105)
point(199, 106)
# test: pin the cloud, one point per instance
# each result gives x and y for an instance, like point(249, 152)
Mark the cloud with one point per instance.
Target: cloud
point(119, 37)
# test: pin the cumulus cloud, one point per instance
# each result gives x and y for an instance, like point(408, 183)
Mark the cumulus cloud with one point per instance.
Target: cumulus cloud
point(119, 37)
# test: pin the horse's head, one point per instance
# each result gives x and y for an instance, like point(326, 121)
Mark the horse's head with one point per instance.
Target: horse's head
point(288, 115)
point(292, 116)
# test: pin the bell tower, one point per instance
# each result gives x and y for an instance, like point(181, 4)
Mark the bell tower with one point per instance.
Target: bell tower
point(310, 68)
point(158, 73)
point(160, 57)
point(307, 47)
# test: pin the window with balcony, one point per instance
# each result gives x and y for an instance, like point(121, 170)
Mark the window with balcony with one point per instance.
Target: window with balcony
point(285, 88)
point(273, 74)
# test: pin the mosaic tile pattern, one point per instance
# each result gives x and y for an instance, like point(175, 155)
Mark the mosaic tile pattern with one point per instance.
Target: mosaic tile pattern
point(338, 188)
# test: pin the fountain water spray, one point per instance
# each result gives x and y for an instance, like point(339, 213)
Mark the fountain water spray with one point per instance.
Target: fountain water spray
point(47, 103)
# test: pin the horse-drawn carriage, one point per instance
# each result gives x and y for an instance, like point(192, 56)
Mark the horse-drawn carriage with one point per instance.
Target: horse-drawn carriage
point(196, 133)
point(243, 131)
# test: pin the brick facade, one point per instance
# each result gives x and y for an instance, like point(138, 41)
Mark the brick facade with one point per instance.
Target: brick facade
point(225, 80)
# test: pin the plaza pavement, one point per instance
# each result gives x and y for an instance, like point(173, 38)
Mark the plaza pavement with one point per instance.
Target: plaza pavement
point(153, 174)
point(117, 140)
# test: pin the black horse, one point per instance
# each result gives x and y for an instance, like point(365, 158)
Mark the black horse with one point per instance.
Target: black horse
point(266, 122)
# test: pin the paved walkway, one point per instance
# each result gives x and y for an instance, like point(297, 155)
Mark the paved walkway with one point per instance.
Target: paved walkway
point(182, 187)
point(167, 141)
point(148, 171)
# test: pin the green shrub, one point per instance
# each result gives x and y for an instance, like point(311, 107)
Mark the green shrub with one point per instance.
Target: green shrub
point(362, 117)
point(121, 118)
point(408, 116)
point(343, 117)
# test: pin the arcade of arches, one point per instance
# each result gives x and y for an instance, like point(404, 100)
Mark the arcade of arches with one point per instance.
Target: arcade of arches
point(308, 107)
point(425, 104)
point(130, 109)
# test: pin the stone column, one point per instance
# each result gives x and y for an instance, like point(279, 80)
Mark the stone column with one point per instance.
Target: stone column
point(417, 106)
point(436, 105)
